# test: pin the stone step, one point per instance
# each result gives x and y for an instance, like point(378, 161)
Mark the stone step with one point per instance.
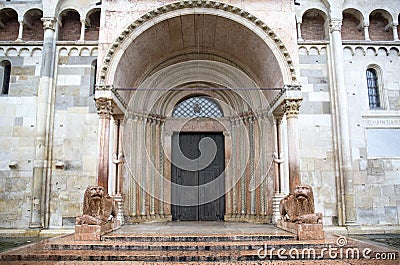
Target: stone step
point(182, 246)
point(195, 238)
point(155, 256)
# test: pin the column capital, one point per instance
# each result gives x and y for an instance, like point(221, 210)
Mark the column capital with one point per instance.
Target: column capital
point(49, 23)
point(291, 108)
point(335, 25)
point(104, 107)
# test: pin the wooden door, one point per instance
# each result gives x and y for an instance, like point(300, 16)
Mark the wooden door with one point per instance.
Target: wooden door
point(198, 187)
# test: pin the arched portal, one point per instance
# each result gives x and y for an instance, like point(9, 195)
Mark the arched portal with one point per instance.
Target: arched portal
point(236, 61)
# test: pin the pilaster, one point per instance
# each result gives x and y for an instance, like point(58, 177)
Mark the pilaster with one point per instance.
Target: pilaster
point(343, 122)
point(43, 114)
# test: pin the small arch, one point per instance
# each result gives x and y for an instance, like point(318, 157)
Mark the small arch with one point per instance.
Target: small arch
point(92, 25)
point(33, 26)
point(11, 52)
point(303, 50)
point(63, 52)
point(313, 26)
point(382, 51)
point(5, 74)
point(352, 25)
point(394, 51)
point(74, 52)
point(371, 51)
point(359, 51)
point(9, 26)
point(379, 25)
point(84, 52)
point(347, 53)
point(197, 107)
point(69, 28)
point(94, 52)
point(24, 52)
point(313, 51)
point(36, 52)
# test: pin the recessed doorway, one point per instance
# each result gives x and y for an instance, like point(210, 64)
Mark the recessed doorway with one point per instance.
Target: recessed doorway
point(198, 184)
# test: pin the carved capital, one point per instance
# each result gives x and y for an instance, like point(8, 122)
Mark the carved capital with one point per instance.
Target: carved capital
point(335, 25)
point(104, 107)
point(49, 23)
point(291, 108)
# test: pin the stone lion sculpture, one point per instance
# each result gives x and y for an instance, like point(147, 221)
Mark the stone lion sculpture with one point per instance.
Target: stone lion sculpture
point(298, 206)
point(98, 207)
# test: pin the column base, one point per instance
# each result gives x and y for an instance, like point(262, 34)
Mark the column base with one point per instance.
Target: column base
point(120, 206)
point(276, 200)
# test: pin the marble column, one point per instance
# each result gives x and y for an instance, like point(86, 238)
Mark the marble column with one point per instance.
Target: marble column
point(82, 36)
point(366, 32)
point(44, 102)
point(104, 110)
point(299, 36)
point(291, 109)
point(119, 160)
point(395, 34)
point(343, 120)
point(277, 161)
point(20, 30)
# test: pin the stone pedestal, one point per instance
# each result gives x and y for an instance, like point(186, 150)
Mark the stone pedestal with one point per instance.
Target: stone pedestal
point(303, 231)
point(90, 232)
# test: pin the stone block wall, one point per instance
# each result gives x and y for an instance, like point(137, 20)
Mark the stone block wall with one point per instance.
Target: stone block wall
point(17, 135)
point(317, 161)
point(75, 135)
point(376, 176)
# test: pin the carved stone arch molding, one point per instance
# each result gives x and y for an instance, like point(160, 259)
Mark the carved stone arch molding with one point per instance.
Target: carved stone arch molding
point(257, 26)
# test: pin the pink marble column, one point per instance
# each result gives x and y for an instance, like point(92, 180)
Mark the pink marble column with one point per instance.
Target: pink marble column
point(291, 110)
point(104, 109)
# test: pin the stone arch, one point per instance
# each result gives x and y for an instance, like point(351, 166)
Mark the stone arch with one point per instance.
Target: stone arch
point(243, 18)
point(352, 25)
point(217, 75)
point(33, 26)
point(314, 24)
point(92, 24)
point(379, 21)
point(9, 18)
point(69, 25)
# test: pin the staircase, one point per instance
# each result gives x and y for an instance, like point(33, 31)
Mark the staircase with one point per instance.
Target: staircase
point(225, 247)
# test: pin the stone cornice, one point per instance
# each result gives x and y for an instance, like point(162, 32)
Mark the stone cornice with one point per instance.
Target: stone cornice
point(193, 4)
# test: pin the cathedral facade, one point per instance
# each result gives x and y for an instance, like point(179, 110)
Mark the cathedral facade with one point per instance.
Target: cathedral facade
point(199, 110)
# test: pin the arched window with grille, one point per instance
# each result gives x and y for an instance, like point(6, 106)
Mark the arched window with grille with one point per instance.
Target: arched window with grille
point(5, 73)
point(197, 107)
point(373, 89)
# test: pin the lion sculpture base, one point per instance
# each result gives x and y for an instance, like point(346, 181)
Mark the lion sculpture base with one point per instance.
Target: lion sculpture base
point(99, 215)
point(298, 214)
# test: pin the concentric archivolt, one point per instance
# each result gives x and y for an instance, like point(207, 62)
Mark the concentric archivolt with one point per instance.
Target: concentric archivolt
point(193, 4)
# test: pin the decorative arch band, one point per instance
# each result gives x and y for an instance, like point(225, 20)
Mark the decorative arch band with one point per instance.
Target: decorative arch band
point(199, 4)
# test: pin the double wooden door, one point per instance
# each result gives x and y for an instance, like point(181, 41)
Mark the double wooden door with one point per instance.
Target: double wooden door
point(198, 182)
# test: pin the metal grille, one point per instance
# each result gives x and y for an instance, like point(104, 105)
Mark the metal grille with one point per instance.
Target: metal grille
point(197, 107)
point(373, 89)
